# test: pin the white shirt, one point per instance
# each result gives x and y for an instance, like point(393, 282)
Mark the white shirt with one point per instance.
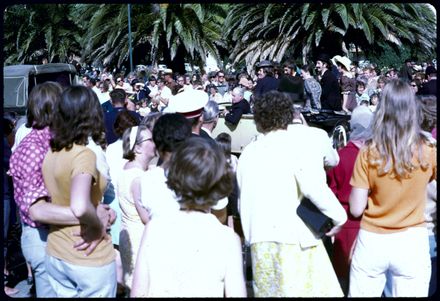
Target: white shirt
point(103, 96)
point(156, 197)
point(21, 132)
point(188, 255)
point(273, 173)
point(115, 160)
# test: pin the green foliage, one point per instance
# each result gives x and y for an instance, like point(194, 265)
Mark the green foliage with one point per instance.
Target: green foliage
point(390, 57)
point(242, 33)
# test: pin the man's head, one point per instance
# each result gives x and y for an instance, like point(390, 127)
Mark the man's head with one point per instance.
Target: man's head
point(237, 94)
point(221, 76)
point(169, 131)
point(210, 114)
point(168, 75)
point(118, 97)
point(190, 103)
point(273, 111)
point(289, 68)
point(265, 68)
point(323, 63)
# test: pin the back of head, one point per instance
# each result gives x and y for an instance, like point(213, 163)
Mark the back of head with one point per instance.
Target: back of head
point(41, 104)
point(273, 111)
point(360, 121)
point(123, 121)
point(118, 96)
point(169, 131)
point(224, 140)
point(210, 112)
point(308, 68)
point(199, 174)
point(396, 118)
point(78, 116)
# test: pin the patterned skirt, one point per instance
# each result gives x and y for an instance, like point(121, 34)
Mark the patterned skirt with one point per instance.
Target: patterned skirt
point(287, 270)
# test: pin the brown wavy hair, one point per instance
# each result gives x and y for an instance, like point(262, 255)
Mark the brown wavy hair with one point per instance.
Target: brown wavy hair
point(41, 104)
point(199, 174)
point(396, 133)
point(78, 116)
point(273, 111)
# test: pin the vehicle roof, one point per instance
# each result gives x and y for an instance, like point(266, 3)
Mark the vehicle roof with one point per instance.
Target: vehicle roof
point(25, 70)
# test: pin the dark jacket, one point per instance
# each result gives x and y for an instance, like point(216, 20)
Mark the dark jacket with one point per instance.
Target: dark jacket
point(429, 88)
point(238, 109)
point(265, 84)
point(330, 95)
point(293, 85)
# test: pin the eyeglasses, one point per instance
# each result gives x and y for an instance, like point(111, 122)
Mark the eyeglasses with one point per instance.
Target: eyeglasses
point(221, 76)
point(148, 139)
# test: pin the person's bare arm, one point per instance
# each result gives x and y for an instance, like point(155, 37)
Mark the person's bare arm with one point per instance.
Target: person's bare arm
point(45, 212)
point(358, 201)
point(52, 214)
point(136, 192)
point(92, 230)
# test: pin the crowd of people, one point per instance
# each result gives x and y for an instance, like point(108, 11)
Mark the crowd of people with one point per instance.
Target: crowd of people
point(121, 178)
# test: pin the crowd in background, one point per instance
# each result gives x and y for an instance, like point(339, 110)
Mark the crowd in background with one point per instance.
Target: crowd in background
point(121, 178)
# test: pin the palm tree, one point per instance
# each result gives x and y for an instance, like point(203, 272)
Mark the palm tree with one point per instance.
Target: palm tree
point(188, 32)
point(34, 31)
point(267, 31)
point(106, 31)
point(172, 33)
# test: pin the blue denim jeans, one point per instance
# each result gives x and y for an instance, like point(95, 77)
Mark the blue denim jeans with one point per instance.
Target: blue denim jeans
point(433, 253)
point(71, 280)
point(33, 246)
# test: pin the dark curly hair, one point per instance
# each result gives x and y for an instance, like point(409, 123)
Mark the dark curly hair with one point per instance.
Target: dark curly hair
point(78, 116)
point(273, 111)
point(169, 131)
point(199, 174)
point(41, 103)
point(123, 121)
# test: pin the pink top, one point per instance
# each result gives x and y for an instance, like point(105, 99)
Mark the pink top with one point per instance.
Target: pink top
point(25, 169)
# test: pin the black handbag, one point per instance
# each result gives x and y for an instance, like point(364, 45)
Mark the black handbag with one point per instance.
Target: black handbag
point(315, 220)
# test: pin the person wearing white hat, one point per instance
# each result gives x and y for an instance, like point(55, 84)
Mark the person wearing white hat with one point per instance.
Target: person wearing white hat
point(169, 80)
point(190, 103)
point(347, 82)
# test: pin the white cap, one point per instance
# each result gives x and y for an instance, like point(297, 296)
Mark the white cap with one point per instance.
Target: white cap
point(189, 103)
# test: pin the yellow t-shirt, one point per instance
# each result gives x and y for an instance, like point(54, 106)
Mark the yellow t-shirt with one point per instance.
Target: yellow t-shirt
point(393, 205)
point(59, 168)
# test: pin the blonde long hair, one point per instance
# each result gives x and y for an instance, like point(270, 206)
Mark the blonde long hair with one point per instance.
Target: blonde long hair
point(396, 133)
